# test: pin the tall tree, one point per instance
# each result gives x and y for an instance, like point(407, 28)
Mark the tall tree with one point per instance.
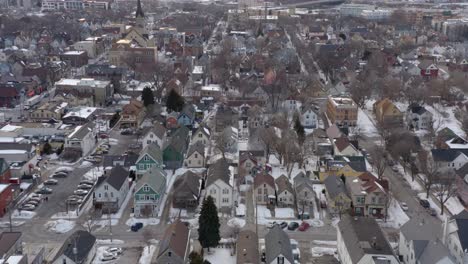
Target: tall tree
point(379, 160)
point(299, 128)
point(147, 96)
point(174, 101)
point(208, 224)
point(445, 189)
point(47, 149)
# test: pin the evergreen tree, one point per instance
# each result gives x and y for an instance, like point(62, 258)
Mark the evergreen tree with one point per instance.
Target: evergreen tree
point(195, 258)
point(174, 101)
point(147, 96)
point(47, 149)
point(208, 224)
point(59, 150)
point(299, 128)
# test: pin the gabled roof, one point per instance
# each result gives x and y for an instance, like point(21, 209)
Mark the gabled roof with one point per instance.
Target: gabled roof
point(178, 140)
point(423, 65)
point(8, 240)
point(153, 151)
point(335, 186)
point(247, 247)
point(462, 223)
point(264, 178)
point(333, 132)
point(175, 239)
point(205, 130)
point(277, 243)
point(83, 241)
point(128, 160)
point(188, 110)
point(218, 170)
point(283, 184)
point(246, 155)
point(197, 147)
point(117, 177)
point(155, 178)
point(157, 129)
point(342, 143)
point(188, 182)
point(3, 166)
point(447, 155)
point(419, 229)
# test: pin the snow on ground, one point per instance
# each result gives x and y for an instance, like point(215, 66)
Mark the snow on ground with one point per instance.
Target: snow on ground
point(236, 222)
point(65, 168)
point(100, 225)
point(435, 205)
point(220, 255)
point(262, 214)
point(147, 254)
point(445, 117)
point(176, 212)
point(325, 242)
point(454, 205)
point(109, 242)
point(6, 224)
point(413, 184)
point(320, 251)
point(278, 170)
point(85, 164)
point(315, 222)
point(284, 213)
point(119, 213)
point(94, 173)
point(60, 226)
point(365, 124)
point(240, 210)
point(396, 216)
point(243, 145)
point(65, 215)
point(113, 141)
point(146, 221)
point(318, 189)
point(23, 214)
point(99, 252)
point(53, 156)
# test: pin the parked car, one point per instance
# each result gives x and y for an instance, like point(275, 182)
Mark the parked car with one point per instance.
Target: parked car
point(283, 225)
point(51, 182)
point(404, 206)
point(103, 135)
point(137, 226)
point(59, 175)
point(28, 207)
point(271, 224)
point(33, 202)
point(432, 211)
point(424, 203)
point(108, 257)
point(74, 201)
point(81, 192)
point(293, 226)
point(114, 251)
point(126, 132)
point(89, 182)
point(44, 190)
point(395, 168)
point(304, 226)
point(85, 187)
point(64, 170)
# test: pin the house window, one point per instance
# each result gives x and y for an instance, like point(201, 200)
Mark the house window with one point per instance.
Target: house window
point(225, 191)
point(112, 194)
point(106, 187)
point(148, 141)
point(169, 254)
point(196, 155)
point(225, 200)
point(145, 158)
point(213, 191)
point(141, 166)
point(199, 162)
point(305, 194)
point(280, 260)
point(259, 198)
point(99, 195)
point(200, 135)
point(259, 191)
point(146, 188)
point(189, 162)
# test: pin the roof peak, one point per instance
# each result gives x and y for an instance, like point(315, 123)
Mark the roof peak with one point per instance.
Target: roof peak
point(139, 11)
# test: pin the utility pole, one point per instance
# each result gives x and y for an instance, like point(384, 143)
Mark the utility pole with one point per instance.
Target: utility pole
point(110, 223)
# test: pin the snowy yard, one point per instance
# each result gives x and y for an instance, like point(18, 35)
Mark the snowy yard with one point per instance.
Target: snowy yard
point(365, 124)
point(146, 221)
point(262, 214)
point(413, 184)
point(445, 117)
point(109, 242)
point(396, 216)
point(22, 214)
point(284, 213)
point(454, 205)
point(60, 226)
point(321, 251)
point(220, 255)
point(236, 222)
point(94, 173)
point(147, 254)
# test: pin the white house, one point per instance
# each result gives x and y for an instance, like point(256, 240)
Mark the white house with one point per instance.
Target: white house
point(201, 135)
point(156, 134)
point(455, 232)
point(356, 246)
point(195, 156)
point(418, 118)
point(291, 104)
point(278, 249)
point(78, 248)
point(219, 185)
point(83, 138)
point(343, 147)
point(450, 158)
point(111, 190)
point(284, 191)
point(309, 117)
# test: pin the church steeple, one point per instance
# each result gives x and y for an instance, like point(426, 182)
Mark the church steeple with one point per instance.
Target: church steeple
point(139, 11)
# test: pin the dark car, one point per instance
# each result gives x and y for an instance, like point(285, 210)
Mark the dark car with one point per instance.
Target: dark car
point(293, 226)
point(44, 190)
point(283, 224)
point(431, 211)
point(59, 175)
point(51, 182)
point(424, 203)
point(137, 226)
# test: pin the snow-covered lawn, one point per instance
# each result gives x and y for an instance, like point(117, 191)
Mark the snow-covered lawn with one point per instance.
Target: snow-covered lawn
point(284, 213)
point(147, 254)
point(365, 125)
point(220, 255)
point(454, 205)
point(396, 216)
point(94, 173)
point(236, 222)
point(6, 224)
point(240, 209)
point(320, 251)
point(113, 141)
point(23, 214)
point(262, 214)
point(65, 215)
point(325, 242)
point(445, 117)
point(146, 221)
point(315, 222)
point(99, 253)
point(109, 242)
point(407, 177)
point(60, 226)
point(176, 212)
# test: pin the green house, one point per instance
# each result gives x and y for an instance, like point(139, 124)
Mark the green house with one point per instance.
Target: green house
point(175, 149)
point(150, 157)
point(149, 191)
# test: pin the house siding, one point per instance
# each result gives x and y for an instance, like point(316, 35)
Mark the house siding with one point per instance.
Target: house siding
point(196, 160)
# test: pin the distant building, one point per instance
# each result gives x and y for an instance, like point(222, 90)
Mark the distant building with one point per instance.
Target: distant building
point(342, 111)
point(100, 91)
point(83, 138)
point(75, 58)
point(51, 5)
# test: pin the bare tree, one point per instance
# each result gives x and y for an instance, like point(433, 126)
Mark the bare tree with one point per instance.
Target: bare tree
point(430, 170)
point(464, 122)
point(268, 138)
point(379, 158)
point(445, 188)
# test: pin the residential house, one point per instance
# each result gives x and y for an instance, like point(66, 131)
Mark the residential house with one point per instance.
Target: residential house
point(428, 69)
point(462, 184)
point(320, 142)
point(368, 195)
point(278, 249)
point(338, 198)
point(225, 116)
point(132, 114)
point(361, 241)
point(247, 162)
point(445, 135)
point(175, 244)
point(186, 116)
point(454, 236)
point(149, 192)
point(420, 243)
point(150, 157)
point(342, 111)
point(450, 158)
point(83, 138)
point(186, 190)
point(5, 172)
point(78, 115)
point(309, 116)
point(291, 104)
point(195, 156)
point(111, 190)
point(284, 191)
point(247, 247)
point(75, 58)
point(342, 166)
point(126, 161)
point(387, 113)
point(418, 118)
point(155, 134)
point(11, 244)
point(175, 148)
point(305, 193)
point(220, 185)
point(455, 143)
point(344, 147)
point(202, 134)
point(264, 189)
point(48, 111)
point(78, 248)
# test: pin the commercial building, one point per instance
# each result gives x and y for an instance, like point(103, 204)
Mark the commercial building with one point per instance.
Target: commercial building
point(51, 5)
point(100, 91)
point(342, 111)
